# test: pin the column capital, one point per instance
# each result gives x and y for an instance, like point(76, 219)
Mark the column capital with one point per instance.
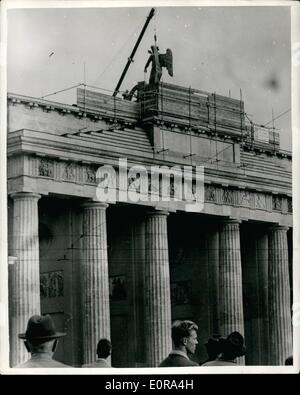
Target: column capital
point(274, 228)
point(158, 213)
point(231, 221)
point(25, 195)
point(91, 204)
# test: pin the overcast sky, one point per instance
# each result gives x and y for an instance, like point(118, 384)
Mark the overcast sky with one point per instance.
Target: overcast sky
point(215, 49)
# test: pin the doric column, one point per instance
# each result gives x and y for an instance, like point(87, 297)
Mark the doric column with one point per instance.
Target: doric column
point(262, 289)
point(157, 289)
point(279, 297)
point(213, 275)
point(24, 279)
point(230, 277)
point(95, 280)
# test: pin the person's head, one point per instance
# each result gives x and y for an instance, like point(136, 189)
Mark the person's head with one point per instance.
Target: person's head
point(214, 346)
point(289, 360)
point(104, 348)
point(184, 336)
point(41, 335)
point(40, 346)
point(233, 346)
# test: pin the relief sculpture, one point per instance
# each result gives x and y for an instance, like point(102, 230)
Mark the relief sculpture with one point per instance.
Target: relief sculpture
point(68, 172)
point(260, 201)
point(228, 196)
point(46, 168)
point(52, 284)
point(276, 203)
point(90, 174)
point(210, 193)
point(245, 198)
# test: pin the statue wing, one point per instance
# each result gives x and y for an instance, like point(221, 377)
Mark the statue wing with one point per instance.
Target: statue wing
point(169, 61)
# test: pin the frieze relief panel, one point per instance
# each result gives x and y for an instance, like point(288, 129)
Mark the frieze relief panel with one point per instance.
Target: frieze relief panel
point(84, 173)
point(46, 167)
point(60, 170)
point(181, 292)
point(245, 198)
point(210, 193)
point(260, 201)
point(276, 203)
point(52, 284)
point(228, 196)
point(89, 174)
point(68, 171)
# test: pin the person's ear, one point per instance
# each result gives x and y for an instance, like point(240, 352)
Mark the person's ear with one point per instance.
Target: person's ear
point(184, 341)
point(27, 345)
point(55, 343)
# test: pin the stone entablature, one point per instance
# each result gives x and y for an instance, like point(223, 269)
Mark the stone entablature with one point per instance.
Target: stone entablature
point(50, 168)
point(258, 173)
point(64, 172)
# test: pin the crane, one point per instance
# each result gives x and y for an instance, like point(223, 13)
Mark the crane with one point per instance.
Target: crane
point(130, 59)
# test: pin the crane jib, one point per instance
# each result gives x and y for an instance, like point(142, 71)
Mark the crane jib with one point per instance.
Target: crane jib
point(130, 59)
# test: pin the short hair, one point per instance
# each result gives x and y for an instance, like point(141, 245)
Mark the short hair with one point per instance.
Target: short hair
point(182, 329)
point(103, 348)
point(38, 345)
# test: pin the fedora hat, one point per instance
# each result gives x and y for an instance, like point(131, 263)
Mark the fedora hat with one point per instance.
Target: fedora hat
point(213, 339)
point(40, 327)
point(234, 343)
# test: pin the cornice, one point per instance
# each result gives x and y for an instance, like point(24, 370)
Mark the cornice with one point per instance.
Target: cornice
point(62, 147)
point(221, 133)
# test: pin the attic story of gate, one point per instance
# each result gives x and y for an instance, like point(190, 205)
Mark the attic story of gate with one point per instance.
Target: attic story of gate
point(183, 110)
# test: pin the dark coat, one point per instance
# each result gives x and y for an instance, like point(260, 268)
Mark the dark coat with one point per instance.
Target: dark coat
point(176, 360)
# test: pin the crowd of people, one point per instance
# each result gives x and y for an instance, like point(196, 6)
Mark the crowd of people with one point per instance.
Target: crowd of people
point(41, 339)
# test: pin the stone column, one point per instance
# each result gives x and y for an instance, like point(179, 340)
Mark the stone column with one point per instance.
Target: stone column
point(24, 300)
point(95, 280)
point(262, 287)
point(279, 297)
point(213, 275)
point(230, 277)
point(157, 289)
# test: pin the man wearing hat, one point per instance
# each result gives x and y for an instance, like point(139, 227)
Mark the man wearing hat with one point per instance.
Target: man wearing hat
point(213, 347)
point(231, 348)
point(41, 340)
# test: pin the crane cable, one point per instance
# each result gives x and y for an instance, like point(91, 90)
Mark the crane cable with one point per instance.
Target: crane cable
point(280, 115)
point(118, 53)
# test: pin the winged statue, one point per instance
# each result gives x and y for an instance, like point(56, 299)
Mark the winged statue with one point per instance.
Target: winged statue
point(158, 61)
